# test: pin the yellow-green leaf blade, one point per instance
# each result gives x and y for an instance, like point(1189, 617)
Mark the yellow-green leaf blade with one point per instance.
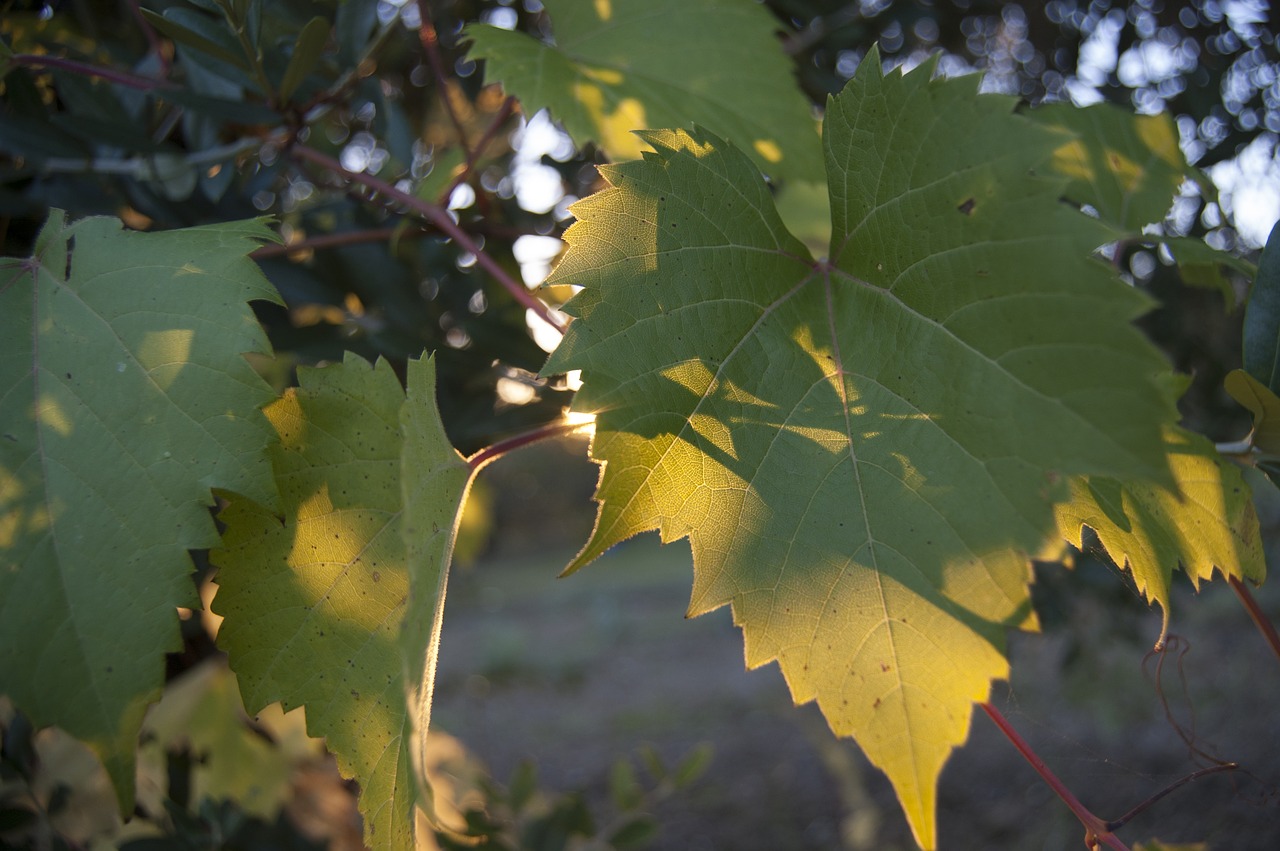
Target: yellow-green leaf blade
point(620, 66)
point(1127, 167)
point(1208, 522)
point(863, 452)
point(1262, 403)
point(124, 398)
point(313, 602)
point(434, 484)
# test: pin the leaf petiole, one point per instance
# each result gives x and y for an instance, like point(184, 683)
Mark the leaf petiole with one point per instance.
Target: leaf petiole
point(1096, 831)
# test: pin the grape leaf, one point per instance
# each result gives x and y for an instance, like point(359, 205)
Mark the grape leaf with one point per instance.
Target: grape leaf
point(434, 483)
point(1207, 522)
point(863, 451)
point(1128, 168)
point(201, 713)
point(123, 399)
point(619, 65)
point(314, 604)
point(1262, 403)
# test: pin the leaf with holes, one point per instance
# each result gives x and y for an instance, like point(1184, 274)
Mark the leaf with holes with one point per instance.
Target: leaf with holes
point(124, 398)
point(619, 65)
point(314, 604)
point(863, 450)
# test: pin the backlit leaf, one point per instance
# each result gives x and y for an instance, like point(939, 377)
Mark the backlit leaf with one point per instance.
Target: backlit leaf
point(1127, 167)
point(1207, 522)
point(620, 65)
point(314, 602)
point(1262, 403)
point(124, 398)
point(863, 451)
point(434, 485)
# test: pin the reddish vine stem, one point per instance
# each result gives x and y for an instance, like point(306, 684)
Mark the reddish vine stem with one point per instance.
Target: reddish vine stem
point(1260, 619)
point(153, 39)
point(333, 240)
point(431, 47)
point(441, 219)
point(111, 75)
point(1096, 831)
point(1116, 824)
point(502, 447)
point(473, 156)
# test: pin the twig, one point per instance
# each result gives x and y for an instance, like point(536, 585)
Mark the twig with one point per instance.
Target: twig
point(441, 219)
point(1095, 829)
point(431, 47)
point(502, 447)
point(1260, 620)
point(153, 39)
point(333, 240)
point(251, 52)
point(1116, 824)
point(111, 75)
point(499, 119)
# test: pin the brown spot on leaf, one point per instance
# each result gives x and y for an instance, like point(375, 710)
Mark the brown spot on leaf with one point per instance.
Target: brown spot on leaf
point(967, 206)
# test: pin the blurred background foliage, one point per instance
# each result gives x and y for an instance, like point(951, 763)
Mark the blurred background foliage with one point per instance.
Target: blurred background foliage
point(171, 113)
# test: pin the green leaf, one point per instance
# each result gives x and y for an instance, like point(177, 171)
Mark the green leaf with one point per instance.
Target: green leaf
point(314, 601)
point(693, 766)
point(1264, 405)
point(620, 65)
point(434, 483)
point(1207, 522)
point(1127, 167)
point(1262, 317)
point(1202, 265)
point(306, 54)
point(199, 32)
point(624, 788)
point(125, 399)
point(201, 712)
point(221, 109)
point(864, 451)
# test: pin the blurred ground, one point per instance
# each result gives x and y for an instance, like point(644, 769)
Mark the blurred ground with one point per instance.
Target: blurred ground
point(574, 673)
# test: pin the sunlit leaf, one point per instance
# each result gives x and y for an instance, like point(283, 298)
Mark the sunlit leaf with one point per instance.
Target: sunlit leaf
point(314, 602)
point(617, 66)
point(863, 451)
point(434, 486)
point(201, 713)
point(124, 398)
point(1262, 403)
point(1128, 168)
point(1208, 522)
